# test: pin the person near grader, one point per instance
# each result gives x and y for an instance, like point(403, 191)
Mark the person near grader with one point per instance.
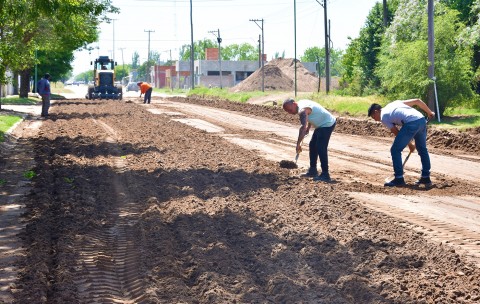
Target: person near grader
point(313, 114)
point(413, 125)
point(146, 89)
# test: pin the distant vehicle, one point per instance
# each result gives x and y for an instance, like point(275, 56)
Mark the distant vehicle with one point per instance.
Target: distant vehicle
point(104, 86)
point(132, 86)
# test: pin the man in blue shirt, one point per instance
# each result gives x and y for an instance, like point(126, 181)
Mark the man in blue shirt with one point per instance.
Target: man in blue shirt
point(43, 88)
point(313, 114)
point(400, 113)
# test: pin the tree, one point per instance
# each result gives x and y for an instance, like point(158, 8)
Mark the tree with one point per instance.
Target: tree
point(56, 63)
point(198, 49)
point(470, 36)
point(142, 71)
point(46, 25)
point(242, 51)
point(316, 54)
point(403, 62)
point(122, 71)
point(85, 76)
point(155, 57)
point(135, 60)
point(277, 55)
point(360, 58)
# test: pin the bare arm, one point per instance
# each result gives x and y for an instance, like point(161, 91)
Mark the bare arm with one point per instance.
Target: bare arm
point(411, 145)
point(304, 128)
point(419, 103)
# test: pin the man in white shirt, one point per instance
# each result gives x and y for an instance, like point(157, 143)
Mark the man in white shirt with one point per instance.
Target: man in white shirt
point(313, 114)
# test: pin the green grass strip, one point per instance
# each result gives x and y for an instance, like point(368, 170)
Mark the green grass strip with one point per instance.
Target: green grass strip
point(6, 122)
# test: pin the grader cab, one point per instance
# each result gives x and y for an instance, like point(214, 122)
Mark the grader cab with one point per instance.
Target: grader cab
point(104, 79)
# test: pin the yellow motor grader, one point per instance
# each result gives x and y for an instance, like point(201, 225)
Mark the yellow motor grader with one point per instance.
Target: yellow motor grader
point(104, 79)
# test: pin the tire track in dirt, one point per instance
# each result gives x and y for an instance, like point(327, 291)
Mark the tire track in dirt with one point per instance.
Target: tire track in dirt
point(438, 227)
point(13, 187)
point(110, 262)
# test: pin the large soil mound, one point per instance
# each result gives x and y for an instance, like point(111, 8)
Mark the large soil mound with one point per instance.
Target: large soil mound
point(280, 76)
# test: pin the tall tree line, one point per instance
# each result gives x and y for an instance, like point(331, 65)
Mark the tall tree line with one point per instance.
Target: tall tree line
point(46, 32)
point(390, 55)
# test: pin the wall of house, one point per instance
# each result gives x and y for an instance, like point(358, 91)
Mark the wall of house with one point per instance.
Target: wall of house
point(216, 82)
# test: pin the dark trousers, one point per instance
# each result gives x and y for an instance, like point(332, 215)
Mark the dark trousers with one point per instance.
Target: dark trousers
point(148, 96)
point(45, 104)
point(319, 147)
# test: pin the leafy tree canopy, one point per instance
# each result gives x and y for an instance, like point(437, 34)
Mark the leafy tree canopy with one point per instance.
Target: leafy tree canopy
point(316, 54)
point(403, 62)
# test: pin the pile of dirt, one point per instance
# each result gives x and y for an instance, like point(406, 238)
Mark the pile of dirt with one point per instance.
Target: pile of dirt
point(280, 76)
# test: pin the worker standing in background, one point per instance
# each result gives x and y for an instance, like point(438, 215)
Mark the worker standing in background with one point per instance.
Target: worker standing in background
point(146, 89)
point(43, 89)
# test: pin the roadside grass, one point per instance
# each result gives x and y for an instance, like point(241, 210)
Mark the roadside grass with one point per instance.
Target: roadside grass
point(59, 88)
point(13, 100)
point(346, 105)
point(354, 106)
point(6, 121)
point(459, 119)
point(225, 94)
point(170, 91)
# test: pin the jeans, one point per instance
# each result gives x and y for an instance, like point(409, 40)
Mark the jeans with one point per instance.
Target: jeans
point(319, 148)
point(148, 96)
point(418, 131)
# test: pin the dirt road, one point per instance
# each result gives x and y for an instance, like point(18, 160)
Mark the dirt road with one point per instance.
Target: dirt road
point(177, 202)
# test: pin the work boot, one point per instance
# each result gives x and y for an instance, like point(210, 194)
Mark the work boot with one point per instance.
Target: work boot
point(324, 177)
point(396, 182)
point(424, 181)
point(309, 174)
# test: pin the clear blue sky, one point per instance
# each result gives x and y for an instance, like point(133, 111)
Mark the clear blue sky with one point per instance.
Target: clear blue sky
point(170, 21)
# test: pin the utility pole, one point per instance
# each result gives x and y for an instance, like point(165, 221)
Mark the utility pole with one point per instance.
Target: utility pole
point(123, 64)
point(148, 56)
point(327, 47)
point(431, 57)
point(259, 51)
point(191, 47)
point(385, 14)
point(263, 51)
point(295, 40)
point(113, 52)
point(219, 40)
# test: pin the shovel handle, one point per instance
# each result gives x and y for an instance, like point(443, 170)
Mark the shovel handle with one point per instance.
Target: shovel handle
point(406, 158)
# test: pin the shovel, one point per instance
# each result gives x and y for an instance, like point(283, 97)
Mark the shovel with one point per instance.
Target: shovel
point(298, 154)
point(390, 178)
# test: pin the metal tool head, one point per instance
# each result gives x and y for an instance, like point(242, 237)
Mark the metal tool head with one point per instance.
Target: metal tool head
point(296, 157)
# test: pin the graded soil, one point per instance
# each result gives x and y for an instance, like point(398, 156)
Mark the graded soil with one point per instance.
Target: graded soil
point(130, 205)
